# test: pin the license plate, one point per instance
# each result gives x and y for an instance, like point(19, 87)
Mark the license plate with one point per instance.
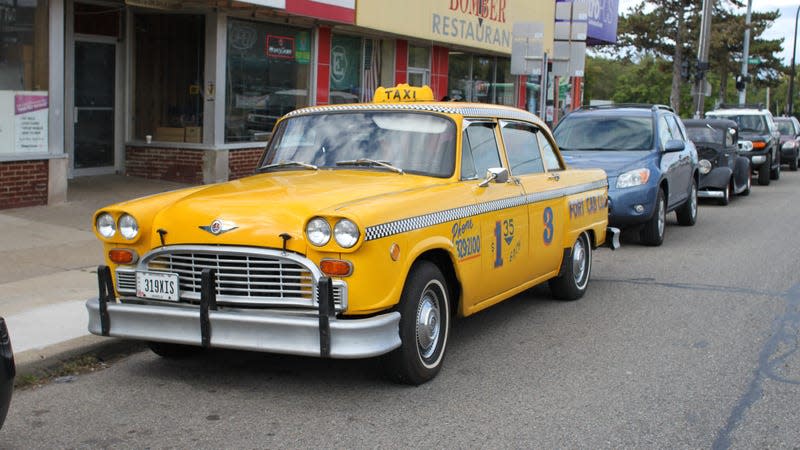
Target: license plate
point(157, 285)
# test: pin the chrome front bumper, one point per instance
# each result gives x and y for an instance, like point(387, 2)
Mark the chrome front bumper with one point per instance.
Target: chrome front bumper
point(710, 194)
point(307, 332)
point(261, 331)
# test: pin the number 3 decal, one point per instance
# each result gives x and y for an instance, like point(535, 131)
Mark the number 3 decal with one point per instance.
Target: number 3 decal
point(547, 217)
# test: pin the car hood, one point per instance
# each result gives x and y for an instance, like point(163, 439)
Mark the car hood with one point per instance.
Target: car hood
point(613, 162)
point(258, 209)
point(753, 136)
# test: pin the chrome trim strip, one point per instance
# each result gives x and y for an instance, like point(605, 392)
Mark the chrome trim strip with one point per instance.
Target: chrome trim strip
point(256, 330)
point(427, 220)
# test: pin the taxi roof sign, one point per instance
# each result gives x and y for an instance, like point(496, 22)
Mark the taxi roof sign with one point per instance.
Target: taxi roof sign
point(403, 93)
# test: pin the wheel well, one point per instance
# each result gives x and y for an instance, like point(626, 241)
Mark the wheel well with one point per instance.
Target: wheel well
point(665, 187)
point(592, 239)
point(442, 260)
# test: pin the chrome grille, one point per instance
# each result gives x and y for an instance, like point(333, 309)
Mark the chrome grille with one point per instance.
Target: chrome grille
point(126, 280)
point(240, 277)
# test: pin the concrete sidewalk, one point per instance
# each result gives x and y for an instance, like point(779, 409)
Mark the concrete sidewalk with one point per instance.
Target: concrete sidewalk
point(48, 267)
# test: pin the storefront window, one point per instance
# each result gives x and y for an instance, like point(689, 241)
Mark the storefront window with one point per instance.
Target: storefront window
point(24, 76)
point(484, 79)
point(168, 65)
point(419, 65)
point(24, 45)
point(267, 76)
point(346, 60)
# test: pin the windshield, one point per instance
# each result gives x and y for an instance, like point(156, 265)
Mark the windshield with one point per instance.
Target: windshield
point(751, 123)
point(591, 132)
point(412, 142)
point(705, 134)
point(785, 127)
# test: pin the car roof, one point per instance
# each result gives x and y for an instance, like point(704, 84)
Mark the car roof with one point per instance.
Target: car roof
point(478, 110)
point(616, 111)
point(739, 112)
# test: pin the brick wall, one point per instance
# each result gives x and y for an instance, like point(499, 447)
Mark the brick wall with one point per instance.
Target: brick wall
point(242, 163)
point(172, 164)
point(23, 183)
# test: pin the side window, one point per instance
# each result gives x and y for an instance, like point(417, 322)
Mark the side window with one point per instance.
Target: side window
point(551, 161)
point(675, 128)
point(522, 148)
point(479, 151)
point(664, 133)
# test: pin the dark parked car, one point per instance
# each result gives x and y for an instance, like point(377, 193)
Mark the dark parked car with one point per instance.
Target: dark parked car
point(722, 171)
point(757, 127)
point(789, 127)
point(7, 371)
point(650, 163)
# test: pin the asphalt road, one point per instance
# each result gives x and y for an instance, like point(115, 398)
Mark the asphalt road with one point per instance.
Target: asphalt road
point(690, 345)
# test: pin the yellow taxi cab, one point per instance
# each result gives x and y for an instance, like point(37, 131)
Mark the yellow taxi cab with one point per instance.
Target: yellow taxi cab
point(367, 229)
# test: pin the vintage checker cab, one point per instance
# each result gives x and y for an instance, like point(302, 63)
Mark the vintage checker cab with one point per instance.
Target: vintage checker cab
point(367, 229)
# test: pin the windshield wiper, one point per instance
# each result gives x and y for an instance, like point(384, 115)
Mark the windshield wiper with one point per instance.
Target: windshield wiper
point(369, 162)
point(289, 164)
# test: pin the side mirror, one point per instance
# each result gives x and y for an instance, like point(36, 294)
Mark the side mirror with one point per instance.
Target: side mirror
point(674, 145)
point(496, 174)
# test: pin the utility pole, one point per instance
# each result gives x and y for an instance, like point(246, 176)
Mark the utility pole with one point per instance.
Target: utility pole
point(746, 52)
point(792, 73)
point(702, 58)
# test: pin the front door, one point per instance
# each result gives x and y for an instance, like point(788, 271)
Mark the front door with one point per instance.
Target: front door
point(94, 106)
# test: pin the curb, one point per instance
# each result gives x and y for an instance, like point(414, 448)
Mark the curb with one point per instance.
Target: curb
point(37, 361)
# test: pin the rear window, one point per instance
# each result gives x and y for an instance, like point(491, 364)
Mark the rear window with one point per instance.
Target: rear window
point(603, 133)
point(785, 126)
point(705, 134)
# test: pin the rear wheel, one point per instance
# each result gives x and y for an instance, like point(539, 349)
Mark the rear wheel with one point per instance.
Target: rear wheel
point(571, 285)
point(424, 326)
point(174, 351)
point(763, 172)
point(687, 213)
point(726, 194)
point(652, 233)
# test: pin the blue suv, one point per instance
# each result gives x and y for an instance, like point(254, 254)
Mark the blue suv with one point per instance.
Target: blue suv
point(650, 162)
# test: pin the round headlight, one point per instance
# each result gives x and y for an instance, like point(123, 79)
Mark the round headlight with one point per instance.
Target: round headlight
point(128, 227)
point(318, 231)
point(705, 166)
point(105, 225)
point(346, 233)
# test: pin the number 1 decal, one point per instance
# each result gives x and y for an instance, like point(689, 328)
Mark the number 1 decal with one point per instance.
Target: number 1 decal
point(498, 244)
point(547, 217)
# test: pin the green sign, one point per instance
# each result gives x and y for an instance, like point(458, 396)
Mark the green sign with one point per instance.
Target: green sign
point(345, 63)
point(754, 60)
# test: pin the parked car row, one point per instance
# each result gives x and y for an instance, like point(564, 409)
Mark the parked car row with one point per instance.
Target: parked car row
point(657, 163)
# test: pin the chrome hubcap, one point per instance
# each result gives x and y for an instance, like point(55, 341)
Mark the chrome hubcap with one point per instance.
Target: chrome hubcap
point(579, 261)
point(428, 323)
point(694, 200)
point(662, 219)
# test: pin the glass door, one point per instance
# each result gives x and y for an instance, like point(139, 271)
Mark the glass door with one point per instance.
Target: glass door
point(94, 108)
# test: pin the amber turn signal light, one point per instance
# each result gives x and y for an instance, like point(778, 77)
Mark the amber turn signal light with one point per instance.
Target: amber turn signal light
point(758, 145)
point(122, 256)
point(336, 267)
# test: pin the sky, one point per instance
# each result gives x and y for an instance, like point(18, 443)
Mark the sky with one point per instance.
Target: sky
point(782, 28)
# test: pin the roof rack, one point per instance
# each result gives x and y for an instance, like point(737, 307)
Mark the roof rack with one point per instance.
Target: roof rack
point(650, 106)
point(741, 106)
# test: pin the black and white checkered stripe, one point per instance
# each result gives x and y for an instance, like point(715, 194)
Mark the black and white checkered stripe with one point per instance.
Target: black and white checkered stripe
point(427, 220)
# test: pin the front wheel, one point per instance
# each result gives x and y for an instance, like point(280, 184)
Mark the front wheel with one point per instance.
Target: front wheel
point(572, 283)
point(424, 326)
point(687, 213)
point(763, 172)
point(652, 233)
point(775, 173)
point(726, 194)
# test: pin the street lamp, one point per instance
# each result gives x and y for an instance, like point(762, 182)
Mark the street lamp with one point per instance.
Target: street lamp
point(791, 74)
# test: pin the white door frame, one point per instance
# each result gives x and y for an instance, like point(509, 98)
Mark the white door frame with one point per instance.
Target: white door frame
point(69, 99)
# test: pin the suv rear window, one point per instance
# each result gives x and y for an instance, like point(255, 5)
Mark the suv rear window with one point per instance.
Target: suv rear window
point(594, 132)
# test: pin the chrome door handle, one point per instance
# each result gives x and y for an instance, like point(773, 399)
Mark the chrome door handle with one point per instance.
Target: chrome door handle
point(553, 177)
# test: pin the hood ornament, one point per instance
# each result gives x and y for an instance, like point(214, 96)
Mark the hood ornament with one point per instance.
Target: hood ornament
point(218, 227)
